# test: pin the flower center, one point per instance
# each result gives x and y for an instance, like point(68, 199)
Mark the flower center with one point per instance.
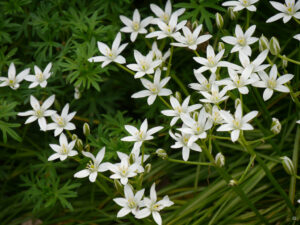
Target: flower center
point(241, 41)
point(153, 88)
point(155, 207)
point(199, 129)
point(271, 83)
point(165, 17)
point(178, 109)
point(169, 29)
point(211, 61)
point(131, 203)
point(12, 82)
point(144, 65)
point(64, 149)
point(245, 3)
point(190, 40)
point(215, 96)
point(91, 166)
point(141, 135)
point(185, 139)
point(236, 124)
point(135, 26)
point(290, 8)
point(60, 121)
point(39, 113)
point(39, 77)
point(239, 82)
point(110, 54)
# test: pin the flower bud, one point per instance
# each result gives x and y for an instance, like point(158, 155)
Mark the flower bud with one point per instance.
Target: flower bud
point(131, 158)
point(232, 14)
point(219, 20)
point(274, 46)
point(161, 153)
point(77, 94)
point(151, 29)
point(87, 147)
point(220, 160)
point(79, 144)
point(233, 182)
point(208, 108)
point(195, 115)
point(276, 126)
point(148, 168)
point(237, 102)
point(288, 165)
point(284, 62)
point(195, 24)
point(86, 129)
point(118, 186)
point(74, 137)
point(221, 46)
point(263, 43)
point(178, 96)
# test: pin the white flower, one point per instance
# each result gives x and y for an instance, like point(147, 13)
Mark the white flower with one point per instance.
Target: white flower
point(12, 80)
point(131, 203)
point(179, 109)
point(241, 4)
point(141, 135)
point(123, 170)
point(164, 15)
point(153, 89)
point(298, 121)
point(135, 26)
point(297, 36)
point(94, 166)
point(216, 96)
point(144, 65)
point(169, 29)
point(40, 78)
point(39, 112)
point(203, 84)
point(237, 123)
point(191, 40)
point(110, 54)
point(271, 82)
point(215, 115)
point(63, 150)
point(62, 122)
point(157, 54)
point(153, 206)
point(212, 62)
point(239, 82)
point(287, 11)
point(197, 128)
point(242, 40)
point(185, 142)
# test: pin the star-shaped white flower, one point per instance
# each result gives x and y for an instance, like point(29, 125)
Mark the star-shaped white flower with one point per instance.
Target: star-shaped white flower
point(153, 206)
point(215, 96)
point(131, 202)
point(135, 26)
point(241, 4)
point(169, 29)
point(63, 150)
point(203, 84)
point(212, 62)
point(189, 39)
point(271, 83)
point(40, 77)
point(165, 15)
point(158, 55)
point(39, 112)
point(215, 115)
point(179, 109)
point(237, 122)
point(186, 142)
point(141, 135)
point(242, 40)
point(287, 11)
point(110, 54)
point(297, 36)
point(144, 64)
point(62, 122)
point(153, 89)
point(94, 166)
point(12, 80)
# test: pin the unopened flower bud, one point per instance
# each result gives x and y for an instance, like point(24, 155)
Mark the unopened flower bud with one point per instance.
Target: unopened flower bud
point(274, 46)
point(161, 153)
point(86, 129)
point(178, 96)
point(79, 144)
point(276, 126)
point(237, 102)
point(87, 147)
point(220, 160)
point(74, 137)
point(263, 43)
point(148, 168)
point(118, 186)
point(284, 62)
point(208, 108)
point(131, 158)
point(195, 115)
point(195, 24)
point(77, 94)
point(151, 29)
point(221, 46)
point(232, 14)
point(219, 20)
point(288, 165)
point(233, 182)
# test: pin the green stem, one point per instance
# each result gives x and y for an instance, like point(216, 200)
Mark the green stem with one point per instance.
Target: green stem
point(197, 172)
point(125, 68)
point(190, 163)
point(164, 101)
point(181, 85)
point(170, 61)
point(261, 139)
point(252, 158)
point(222, 138)
point(296, 20)
point(105, 178)
point(197, 54)
point(143, 153)
point(248, 19)
point(288, 59)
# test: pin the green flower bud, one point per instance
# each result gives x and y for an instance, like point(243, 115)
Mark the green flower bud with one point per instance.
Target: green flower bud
point(220, 160)
point(151, 29)
point(79, 144)
point(274, 46)
point(263, 43)
point(118, 186)
point(86, 129)
point(237, 102)
point(276, 126)
point(74, 137)
point(131, 158)
point(232, 14)
point(284, 62)
point(87, 147)
point(288, 165)
point(208, 108)
point(148, 168)
point(219, 21)
point(233, 182)
point(195, 24)
point(221, 46)
point(178, 96)
point(161, 153)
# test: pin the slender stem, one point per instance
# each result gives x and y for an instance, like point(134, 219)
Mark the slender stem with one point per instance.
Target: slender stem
point(298, 177)
point(248, 19)
point(288, 59)
point(170, 61)
point(222, 138)
point(261, 139)
point(143, 153)
point(181, 85)
point(105, 178)
point(197, 172)
point(191, 163)
point(197, 54)
point(252, 158)
point(295, 162)
point(69, 133)
point(86, 120)
point(298, 21)
point(125, 68)
point(164, 101)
